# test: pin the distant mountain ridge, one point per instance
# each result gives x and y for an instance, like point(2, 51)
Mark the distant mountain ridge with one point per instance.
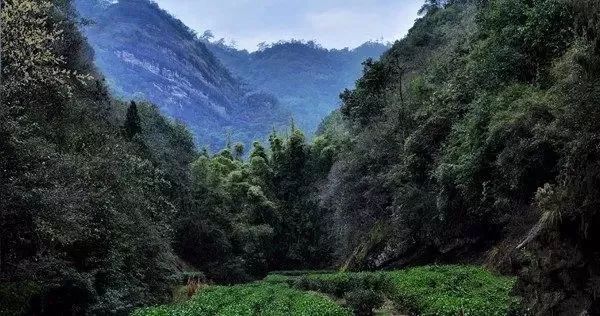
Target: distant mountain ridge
point(304, 76)
point(146, 53)
point(223, 94)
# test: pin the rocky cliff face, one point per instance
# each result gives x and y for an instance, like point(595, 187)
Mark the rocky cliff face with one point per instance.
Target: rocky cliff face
point(147, 54)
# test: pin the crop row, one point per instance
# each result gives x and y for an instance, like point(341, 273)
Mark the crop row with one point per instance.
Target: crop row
point(429, 290)
point(250, 299)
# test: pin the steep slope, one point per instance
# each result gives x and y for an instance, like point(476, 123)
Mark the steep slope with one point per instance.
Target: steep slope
point(305, 77)
point(475, 140)
point(88, 185)
point(147, 54)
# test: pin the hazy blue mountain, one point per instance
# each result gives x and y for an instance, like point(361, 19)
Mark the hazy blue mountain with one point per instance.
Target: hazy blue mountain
point(146, 53)
point(304, 76)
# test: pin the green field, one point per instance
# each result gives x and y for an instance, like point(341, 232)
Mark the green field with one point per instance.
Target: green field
point(429, 290)
point(251, 299)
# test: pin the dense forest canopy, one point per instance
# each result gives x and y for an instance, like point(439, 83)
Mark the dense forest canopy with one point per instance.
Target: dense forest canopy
point(89, 184)
point(472, 140)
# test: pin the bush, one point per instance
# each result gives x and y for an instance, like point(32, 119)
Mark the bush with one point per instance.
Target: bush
point(452, 290)
point(250, 299)
point(15, 297)
point(338, 284)
point(364, 301)
point(295, 273)
point(279, 279)
point(429, 290)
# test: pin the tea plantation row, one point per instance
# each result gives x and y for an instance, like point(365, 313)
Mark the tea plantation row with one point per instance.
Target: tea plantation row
point(429, 290)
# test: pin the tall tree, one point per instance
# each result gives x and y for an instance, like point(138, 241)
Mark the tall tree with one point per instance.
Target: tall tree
point(132, 125)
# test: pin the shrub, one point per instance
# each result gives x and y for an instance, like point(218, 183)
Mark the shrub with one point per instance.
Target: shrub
point(250, 299)
point(338, 284)
point(452, 290)
point(429, 290)
point(15, 297)
point(279, 279)
point(364, 301)
point(295, 273)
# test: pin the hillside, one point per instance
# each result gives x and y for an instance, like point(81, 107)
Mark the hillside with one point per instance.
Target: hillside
point(460, 176)
point(474, 140)
point(147, 54)
point(88, 185)
point(305, 77)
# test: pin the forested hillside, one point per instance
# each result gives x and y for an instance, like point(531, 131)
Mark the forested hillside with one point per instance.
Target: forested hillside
point(147, 54)
point(474, 139)
point(464, 163)
point(304, 76)
point(89, 185)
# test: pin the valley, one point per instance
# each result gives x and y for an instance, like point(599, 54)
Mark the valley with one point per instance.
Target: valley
point(146, 170)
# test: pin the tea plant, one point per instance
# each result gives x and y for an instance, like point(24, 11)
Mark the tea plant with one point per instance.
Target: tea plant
point(248, 300)
point(430, 290)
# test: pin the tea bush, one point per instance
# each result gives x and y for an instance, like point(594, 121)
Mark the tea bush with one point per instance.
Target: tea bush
point(339, 284)
point(429, 290)
point(300, 272)
point(250, 299)
point(364, 301)
point(452, 290)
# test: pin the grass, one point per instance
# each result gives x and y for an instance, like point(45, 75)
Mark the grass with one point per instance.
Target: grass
point(250, 299)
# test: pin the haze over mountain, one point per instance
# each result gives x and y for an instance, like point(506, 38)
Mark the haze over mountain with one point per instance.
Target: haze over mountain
point(147, 54)
point(460, 175)
point(332, 23)
point(220, 92)
point(304, 76)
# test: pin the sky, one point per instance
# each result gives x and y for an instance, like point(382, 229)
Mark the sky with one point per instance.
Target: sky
point(331, 23)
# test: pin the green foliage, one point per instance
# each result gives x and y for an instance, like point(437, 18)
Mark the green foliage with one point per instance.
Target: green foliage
point(428, 290)
point(28, 58)
point(473, 137)
point(15, 297)
point(339, 284)
point(251, 299)
point(299, 272)
point(254, 215)
point(86, 217)
point(453, 290)
point(467, 139)
point(363, 302)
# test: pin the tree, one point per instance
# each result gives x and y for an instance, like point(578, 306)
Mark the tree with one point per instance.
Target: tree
point(132, 125)
point(207, 35)
point(86, 215)
point(430, 6)
point(238, 151)
point(258, 151)
point(28, 58)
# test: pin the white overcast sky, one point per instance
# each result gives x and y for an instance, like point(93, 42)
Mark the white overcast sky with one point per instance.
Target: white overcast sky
point(331, 23)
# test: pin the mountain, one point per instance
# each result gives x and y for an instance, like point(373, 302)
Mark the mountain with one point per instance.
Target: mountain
point(145, 53)
point(304, 76)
